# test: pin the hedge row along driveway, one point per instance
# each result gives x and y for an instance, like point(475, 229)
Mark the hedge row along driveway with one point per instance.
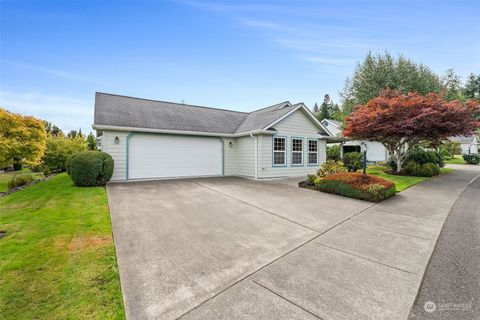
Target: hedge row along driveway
point(57, 259)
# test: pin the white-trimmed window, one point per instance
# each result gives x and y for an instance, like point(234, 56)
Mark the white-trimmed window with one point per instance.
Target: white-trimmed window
point(279, 151)
point(297, 151)
point(312, 152)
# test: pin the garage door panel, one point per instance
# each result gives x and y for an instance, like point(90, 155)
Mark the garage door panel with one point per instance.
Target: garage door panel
point(163, 156)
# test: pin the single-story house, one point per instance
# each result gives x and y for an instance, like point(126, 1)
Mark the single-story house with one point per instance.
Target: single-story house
point(151, 139)
point(468, 144)
point(376, 152)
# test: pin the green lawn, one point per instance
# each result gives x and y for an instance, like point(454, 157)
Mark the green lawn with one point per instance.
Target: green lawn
point(456, 160)
point(6, 176)
point(401, 182)
point(57, 260)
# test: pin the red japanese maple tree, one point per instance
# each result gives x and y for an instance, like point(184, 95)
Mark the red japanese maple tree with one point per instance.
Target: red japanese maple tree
point(400, 121)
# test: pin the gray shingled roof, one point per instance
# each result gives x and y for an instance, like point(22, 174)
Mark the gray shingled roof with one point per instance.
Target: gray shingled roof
point(123, 111)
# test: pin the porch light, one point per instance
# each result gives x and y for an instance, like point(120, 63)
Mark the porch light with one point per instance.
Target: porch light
point(230, 144)
point(117, 140)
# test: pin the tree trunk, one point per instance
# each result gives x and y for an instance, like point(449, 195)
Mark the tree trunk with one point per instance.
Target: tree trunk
point(399, 165)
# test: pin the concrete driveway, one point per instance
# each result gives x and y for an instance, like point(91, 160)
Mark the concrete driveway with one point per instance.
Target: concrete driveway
point(232, 248)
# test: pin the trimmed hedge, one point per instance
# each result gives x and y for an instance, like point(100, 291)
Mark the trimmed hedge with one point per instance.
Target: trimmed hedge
point(90, 168)
point(357, 185)
point(471, 158)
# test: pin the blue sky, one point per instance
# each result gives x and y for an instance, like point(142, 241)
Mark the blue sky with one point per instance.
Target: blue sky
point(239, 55)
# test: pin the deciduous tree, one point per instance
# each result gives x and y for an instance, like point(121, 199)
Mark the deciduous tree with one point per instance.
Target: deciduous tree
point(399, 121)
point(22, 138)
point(58, 149)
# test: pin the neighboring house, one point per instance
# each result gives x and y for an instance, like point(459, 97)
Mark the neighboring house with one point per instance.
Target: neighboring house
point(468, 144)
point(375, 150)
point(154, 139)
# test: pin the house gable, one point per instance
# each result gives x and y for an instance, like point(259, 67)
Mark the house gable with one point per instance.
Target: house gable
point(299, 122)
point(297, 125)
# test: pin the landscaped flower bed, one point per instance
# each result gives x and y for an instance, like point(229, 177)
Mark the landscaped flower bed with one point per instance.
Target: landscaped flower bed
point(357, 185)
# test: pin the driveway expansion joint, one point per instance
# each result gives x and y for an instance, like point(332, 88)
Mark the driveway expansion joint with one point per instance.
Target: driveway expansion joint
point(407, 215)
point(391, 231)
point(289, 301)
point(364, 258)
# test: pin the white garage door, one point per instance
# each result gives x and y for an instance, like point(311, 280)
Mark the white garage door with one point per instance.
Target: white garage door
point(167, 156)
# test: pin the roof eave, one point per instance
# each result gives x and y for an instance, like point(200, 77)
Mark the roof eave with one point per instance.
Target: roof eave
point(179, 132)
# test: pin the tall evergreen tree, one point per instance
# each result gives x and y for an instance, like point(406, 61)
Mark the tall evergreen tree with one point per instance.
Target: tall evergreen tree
point(91, 142)
point(472, 87)
point(384, 71)
point(72, 134)
point(325, 108)
point(452, 86)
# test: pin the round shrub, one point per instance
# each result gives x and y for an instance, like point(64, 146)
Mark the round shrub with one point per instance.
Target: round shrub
point(329, 167)
point(90, 168)
point(429, 170)
point(311, 178)
point(353, 161)
point(333, 153)
point(411, 168)
point(471, 158)
point(421, 170)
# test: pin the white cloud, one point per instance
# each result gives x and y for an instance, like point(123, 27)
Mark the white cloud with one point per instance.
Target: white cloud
point(52, 71)
point(261, 24)
point(66, 112)
point(328, 61)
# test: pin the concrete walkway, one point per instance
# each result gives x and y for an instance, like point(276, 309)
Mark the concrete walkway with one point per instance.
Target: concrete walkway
point(241, 249)
point(451, 285)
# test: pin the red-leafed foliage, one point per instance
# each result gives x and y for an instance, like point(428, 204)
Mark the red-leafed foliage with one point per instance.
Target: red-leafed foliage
point(357, 185)
point(358, 180)
point(399, 121)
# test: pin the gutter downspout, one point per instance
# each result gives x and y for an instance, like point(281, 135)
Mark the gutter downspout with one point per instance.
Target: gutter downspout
point(256, 155)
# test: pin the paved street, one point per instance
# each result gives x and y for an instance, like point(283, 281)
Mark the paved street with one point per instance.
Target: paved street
point(452, 278)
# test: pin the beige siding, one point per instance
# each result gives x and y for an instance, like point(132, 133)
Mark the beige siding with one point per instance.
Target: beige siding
point(322, 151)
point(239, 160)
point(230, 157)
point(117, 151)
point(245, 156)
point(296, 125)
